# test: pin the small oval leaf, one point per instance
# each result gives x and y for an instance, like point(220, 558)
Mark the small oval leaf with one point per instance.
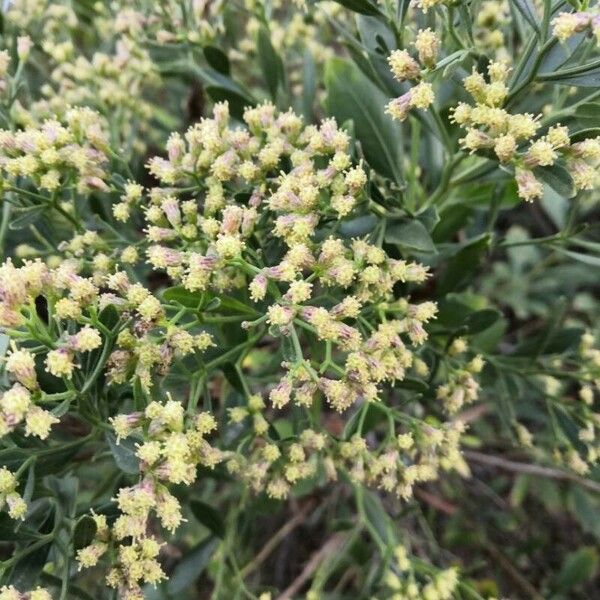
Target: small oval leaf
point(209, 517)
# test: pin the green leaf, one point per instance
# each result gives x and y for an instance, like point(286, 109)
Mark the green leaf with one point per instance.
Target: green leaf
point(585, 507)
point(558, 54)
point(578, 567)
point(209, 517)
point(588, 110)
point(580, 242)
point(30, 484)
point(191, 566)
point(376, 35)
point(217, 59)
point(219, 80)
point(180, 295)
point(519, 490)
point(237, 103)
point(558, 178)
point(27, 217)
point(587, 259)
point(270, 62)
point(526, 63)
point(377, 517)
point(233, 377)
point(350, 95)
point(564, 340)
point(555, 206)
point(452, 312)
point(165, 119)
point(587, 75)
point(551, 327)
point(466, 17)
point(220, 87)
point(402, 10)
point(124, 454)
point(429, 217)
point(370, 59)
point(62, 408)
point(584, 134)
point(451, 220)
point(528, 12)
point(212, 305)
point(373, 415)
point(49, 461)
point(84, 533)
point(234, 306)
point(462, 265)
point(481, 320)
point(65, 489)
point(9, 532)
point(351, 425)
point(358, 226)
point(449, 63)
point(488, 340)
point(27, 569)
point(411, 234)
point(109, 316)
point(283, 429)
point(412, 384)
point(74, 591)
point(558, 342)
point(4, 343)
point(309, 85)
point(288, 351)
point(363, 7)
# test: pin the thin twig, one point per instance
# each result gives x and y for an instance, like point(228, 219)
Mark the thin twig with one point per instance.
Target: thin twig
point(331, 546)
point(472, 414)
point(277, 538)
point(529, 469)
point(512, 572)
point(435, 501)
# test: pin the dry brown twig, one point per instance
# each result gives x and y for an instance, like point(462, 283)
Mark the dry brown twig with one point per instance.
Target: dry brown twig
point(331, 546)
point(529, 469)
point(277, 538)
point(435, 501)
point(512, 572)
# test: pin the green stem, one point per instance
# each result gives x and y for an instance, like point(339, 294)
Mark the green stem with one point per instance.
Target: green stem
point(533, 73)
point(224, 358)
point(445, 181)
point(99, 366)
point(6, 208)
point(444, 135)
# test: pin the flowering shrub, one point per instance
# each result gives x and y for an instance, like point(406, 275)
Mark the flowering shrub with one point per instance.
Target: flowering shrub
point(298, 299)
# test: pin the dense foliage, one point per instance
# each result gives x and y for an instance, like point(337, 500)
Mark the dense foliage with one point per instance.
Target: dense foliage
point(299, 299)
